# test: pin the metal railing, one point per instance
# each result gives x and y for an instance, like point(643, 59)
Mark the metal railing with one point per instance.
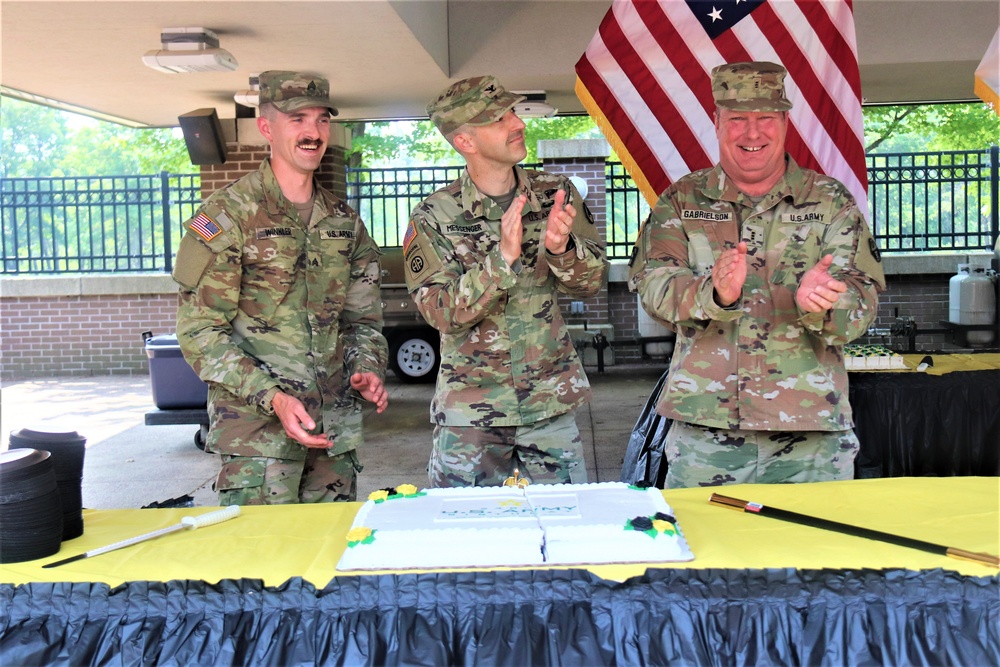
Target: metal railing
point(626, 207)
point(919, 202)
point(946, 200)
point(384, 198)
point(94, 224)
point(934, 201)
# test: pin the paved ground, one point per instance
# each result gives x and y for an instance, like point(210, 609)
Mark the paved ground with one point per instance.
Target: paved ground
point(129, 464)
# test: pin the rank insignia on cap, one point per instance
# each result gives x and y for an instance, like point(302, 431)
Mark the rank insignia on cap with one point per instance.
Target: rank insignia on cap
point(205, 227)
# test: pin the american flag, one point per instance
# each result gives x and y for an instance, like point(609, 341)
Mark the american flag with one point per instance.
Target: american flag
point(205, 227)
point(646, 80)
point(411, 233)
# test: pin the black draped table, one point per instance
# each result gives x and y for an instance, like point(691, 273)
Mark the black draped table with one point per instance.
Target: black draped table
point(945, 421)
point(263, 589)
point(939, 422)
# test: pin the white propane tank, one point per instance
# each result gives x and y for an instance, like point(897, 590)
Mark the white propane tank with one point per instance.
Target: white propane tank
point(650, 328)
point(955, 293)
point(977, 305)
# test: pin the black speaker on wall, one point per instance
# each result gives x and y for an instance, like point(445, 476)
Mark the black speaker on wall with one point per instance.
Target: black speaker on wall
point(203, 136)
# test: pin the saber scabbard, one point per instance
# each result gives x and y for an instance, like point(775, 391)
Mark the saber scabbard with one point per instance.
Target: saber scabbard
point(857, 531)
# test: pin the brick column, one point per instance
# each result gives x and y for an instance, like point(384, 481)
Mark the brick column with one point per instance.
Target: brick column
point(584, 159)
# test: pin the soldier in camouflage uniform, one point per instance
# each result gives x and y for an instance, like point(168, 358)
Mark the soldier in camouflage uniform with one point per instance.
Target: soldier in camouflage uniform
point(485, 257)
point(280, 313)
point(765, 270)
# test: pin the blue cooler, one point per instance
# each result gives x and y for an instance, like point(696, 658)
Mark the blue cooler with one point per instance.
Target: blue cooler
point(175, 384)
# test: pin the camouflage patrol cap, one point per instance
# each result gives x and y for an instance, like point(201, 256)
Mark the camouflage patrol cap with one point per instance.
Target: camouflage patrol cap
point(756, 86)
point(291, 91)
point(479, 100)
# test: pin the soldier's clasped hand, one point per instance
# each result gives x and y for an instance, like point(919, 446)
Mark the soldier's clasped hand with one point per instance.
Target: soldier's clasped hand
point(297, 422)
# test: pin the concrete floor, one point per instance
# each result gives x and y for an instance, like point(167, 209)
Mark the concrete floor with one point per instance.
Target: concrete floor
point(130, 465)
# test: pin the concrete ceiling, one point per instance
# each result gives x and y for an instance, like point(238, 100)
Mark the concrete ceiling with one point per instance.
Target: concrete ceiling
point(388, 58)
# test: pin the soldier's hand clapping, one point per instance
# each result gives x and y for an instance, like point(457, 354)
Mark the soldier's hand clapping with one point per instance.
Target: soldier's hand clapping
point(818, 290)
point(511, 230)
point(560, 224)
point(729, 274)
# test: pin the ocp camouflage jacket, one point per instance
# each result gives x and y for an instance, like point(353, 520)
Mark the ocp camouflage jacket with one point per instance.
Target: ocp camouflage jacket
point(761, 364)
point(506, 355)
point(266, 302)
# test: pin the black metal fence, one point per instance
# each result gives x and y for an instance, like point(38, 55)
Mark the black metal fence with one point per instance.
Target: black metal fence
point(94, 224)
point(919, 202)
point(934, 201)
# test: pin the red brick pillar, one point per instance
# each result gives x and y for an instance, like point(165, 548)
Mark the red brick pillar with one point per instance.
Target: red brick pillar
point(584, 159)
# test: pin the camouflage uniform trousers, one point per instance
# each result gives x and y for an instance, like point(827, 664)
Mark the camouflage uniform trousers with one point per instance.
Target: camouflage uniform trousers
point(261, 480)
point(546, 452)
point(705, 456)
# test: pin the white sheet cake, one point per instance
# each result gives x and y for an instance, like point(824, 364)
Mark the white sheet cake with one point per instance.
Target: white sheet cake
point(506, 526)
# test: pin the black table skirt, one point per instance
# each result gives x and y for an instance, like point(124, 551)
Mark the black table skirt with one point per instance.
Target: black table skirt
point(543, 617)
point(915, 425)
point(908, 425)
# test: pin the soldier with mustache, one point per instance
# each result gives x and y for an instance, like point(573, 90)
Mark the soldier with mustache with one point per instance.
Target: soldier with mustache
point(280, 313)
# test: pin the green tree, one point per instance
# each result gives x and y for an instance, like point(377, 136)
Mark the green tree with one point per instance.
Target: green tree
point(930, 127)
point(32, 139)
point(411, 143)
point(39, 141)
point(110, 149)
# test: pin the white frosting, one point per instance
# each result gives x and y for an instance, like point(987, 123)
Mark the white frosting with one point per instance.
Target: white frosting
point(506, 526)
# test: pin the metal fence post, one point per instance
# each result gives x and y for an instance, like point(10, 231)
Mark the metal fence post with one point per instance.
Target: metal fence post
point(168, 264)
point(995, 189)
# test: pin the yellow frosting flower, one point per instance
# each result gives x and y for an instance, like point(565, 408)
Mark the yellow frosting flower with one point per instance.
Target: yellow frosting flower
point(376, 496)
point(358, 534)
point(663, 526)
point(406, 489)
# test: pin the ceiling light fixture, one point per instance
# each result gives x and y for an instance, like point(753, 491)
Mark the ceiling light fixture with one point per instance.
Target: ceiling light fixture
point(251, 97)
point(534, 105)
point(189, 50)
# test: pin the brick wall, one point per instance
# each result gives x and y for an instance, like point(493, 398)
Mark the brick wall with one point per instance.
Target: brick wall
point(81, 335)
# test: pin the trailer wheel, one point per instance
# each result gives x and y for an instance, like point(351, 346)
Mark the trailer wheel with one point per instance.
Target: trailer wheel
point(414, 356)
point(199, 437)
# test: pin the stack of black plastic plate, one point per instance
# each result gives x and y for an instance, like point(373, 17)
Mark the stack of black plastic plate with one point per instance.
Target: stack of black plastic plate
point(31, 517)
point(67, 449)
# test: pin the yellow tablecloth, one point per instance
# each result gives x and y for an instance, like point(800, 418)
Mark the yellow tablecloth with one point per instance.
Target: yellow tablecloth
point(280, 542)
point(947, 363)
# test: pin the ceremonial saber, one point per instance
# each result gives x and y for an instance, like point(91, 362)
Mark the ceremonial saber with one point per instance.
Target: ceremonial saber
point(189, 522)
point(857, 531)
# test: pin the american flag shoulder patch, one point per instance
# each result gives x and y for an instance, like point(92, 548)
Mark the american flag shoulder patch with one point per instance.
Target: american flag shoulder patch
point(411, 232)
point(205, 227)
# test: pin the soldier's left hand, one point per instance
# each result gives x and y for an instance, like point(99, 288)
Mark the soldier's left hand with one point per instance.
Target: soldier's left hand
point(818, 290)
point(559, 225)
point(371, 389)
